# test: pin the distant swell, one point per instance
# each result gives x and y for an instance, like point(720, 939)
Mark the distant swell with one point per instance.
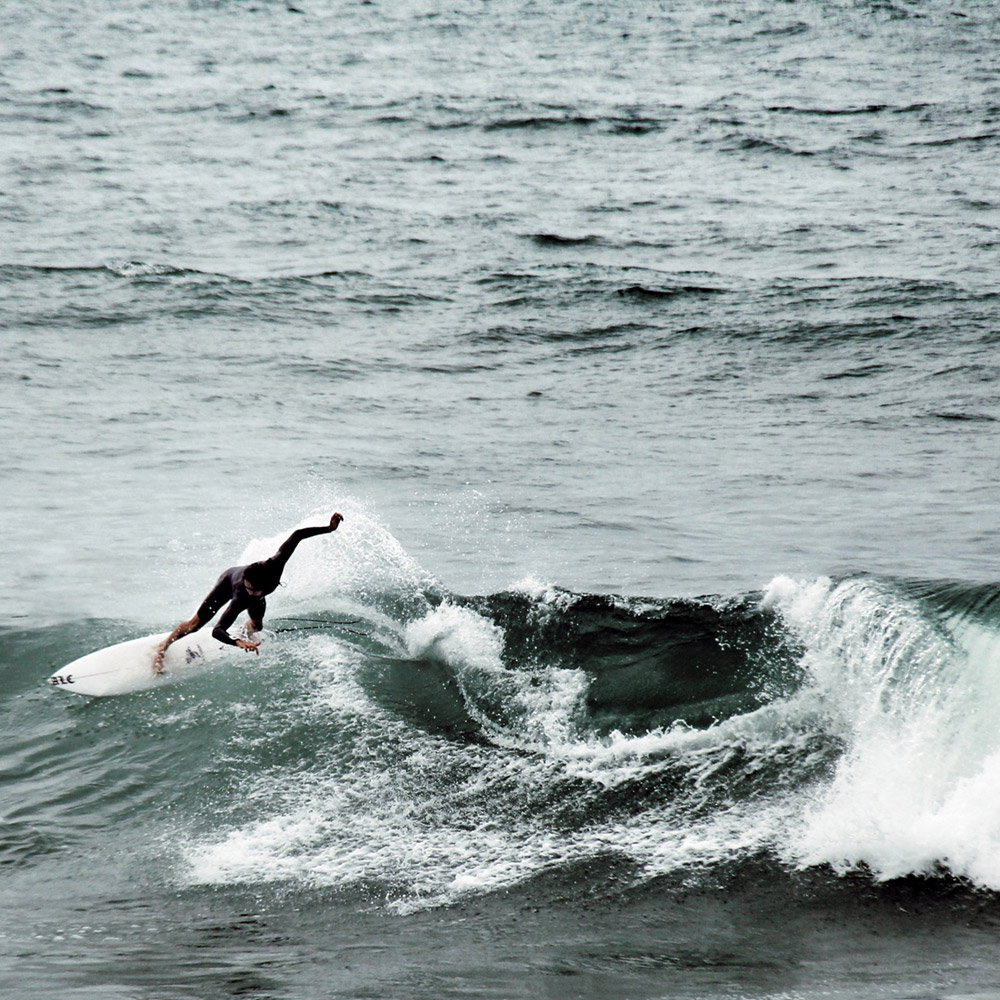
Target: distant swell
point(555, 240)
point(640, 292)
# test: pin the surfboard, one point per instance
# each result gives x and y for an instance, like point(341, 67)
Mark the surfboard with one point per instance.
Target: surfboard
point(128, 666)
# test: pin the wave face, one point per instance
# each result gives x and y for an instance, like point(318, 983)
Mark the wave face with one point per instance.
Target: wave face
point(431, 747)
point(498, 738)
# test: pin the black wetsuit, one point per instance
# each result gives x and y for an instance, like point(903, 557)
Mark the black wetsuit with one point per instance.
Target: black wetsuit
point(229, 587)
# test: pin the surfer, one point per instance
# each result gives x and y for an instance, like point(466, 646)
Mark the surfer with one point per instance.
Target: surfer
point(244, 587)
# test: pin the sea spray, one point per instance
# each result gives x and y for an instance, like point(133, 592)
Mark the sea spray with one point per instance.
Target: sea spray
point(362, 560)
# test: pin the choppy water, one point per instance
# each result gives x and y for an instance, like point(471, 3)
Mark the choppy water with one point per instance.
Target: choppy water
point(650, 352)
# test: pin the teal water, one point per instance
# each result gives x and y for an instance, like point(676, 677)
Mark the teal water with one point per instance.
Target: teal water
point(650, 355)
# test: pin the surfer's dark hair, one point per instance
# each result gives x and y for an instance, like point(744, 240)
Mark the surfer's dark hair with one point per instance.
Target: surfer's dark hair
point(260, 575)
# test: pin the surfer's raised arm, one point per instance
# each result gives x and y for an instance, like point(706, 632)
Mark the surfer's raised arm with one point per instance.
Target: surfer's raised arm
point(244, 589)
point(288, 546)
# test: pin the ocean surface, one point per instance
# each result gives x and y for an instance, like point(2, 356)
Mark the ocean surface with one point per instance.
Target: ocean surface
point(650, 351)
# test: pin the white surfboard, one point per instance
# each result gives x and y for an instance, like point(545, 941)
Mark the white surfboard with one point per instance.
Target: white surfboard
point(128, 666)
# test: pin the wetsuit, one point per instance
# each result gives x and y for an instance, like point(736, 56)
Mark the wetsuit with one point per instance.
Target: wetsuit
point(229, 587)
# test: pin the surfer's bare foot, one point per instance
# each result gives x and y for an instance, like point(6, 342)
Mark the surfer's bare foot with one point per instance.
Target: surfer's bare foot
point(158, 661)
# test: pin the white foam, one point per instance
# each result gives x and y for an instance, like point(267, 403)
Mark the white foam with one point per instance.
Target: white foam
point(526, 707)
point(915, 704)
point(458, 637)
point(436, 851)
